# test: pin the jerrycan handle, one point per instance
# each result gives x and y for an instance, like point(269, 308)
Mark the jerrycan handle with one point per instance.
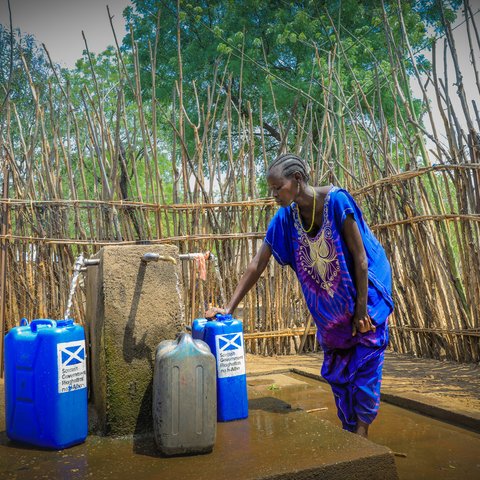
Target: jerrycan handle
point(35, 323)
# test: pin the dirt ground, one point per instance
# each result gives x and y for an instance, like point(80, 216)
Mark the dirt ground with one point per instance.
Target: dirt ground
point(445, 390)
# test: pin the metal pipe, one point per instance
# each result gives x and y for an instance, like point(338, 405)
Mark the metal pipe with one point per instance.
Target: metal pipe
point(192, 256)
point(91, 262)
point(155, 257)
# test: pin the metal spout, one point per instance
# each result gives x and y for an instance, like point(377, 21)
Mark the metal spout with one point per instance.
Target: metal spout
point(88, 262)
point(155, 257)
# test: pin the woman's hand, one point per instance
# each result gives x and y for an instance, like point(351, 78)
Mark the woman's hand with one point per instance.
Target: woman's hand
point(212, 311)
point(362, 324)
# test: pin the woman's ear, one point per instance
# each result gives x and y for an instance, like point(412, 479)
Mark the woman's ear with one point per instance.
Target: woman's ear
point(298, 179)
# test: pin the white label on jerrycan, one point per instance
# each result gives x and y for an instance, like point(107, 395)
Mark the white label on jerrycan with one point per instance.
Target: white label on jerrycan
point(72, 369)
point(230, 355)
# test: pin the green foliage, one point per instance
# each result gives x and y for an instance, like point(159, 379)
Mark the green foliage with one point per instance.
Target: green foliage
point(14, 78)
point(268, 47)
point(253, 49)
point(273, 387)
point(430, 12)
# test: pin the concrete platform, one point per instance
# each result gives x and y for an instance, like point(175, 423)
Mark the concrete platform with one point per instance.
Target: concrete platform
point(276, 442)
point(425, 447)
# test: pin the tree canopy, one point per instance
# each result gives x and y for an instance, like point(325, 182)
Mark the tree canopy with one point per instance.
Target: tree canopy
point(270, 48)
point(271, 59)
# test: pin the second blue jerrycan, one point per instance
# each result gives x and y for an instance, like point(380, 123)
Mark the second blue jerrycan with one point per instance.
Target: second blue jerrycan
point(224, 336)
point(184, 397)
point(46, 383)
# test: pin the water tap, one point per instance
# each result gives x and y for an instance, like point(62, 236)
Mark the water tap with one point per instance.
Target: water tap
point(155, 257)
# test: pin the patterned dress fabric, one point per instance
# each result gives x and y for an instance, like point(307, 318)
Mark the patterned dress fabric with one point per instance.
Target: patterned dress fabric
point(324, 266)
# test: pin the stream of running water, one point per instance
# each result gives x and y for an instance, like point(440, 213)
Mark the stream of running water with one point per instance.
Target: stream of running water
point(79, 262)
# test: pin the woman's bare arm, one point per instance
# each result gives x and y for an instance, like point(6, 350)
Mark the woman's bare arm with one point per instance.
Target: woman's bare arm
point(361, 320)
point(248, 280)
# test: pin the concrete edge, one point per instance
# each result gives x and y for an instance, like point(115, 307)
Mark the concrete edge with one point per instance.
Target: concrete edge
point(423, 407)
point(376, 467)
point(434, 411)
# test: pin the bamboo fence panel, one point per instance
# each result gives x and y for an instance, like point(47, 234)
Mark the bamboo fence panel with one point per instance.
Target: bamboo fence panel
point(79, 179)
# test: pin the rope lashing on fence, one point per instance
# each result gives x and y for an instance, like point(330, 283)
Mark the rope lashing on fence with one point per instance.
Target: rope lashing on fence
point(410, 174)
point(383, 182)
point(259, 202)
point(227, 236)
point(427, 218)
point(467, 332)
point(180, 238)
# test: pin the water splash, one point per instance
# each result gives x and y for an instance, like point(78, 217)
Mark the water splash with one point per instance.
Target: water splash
point(79, 262)
point(179, 288)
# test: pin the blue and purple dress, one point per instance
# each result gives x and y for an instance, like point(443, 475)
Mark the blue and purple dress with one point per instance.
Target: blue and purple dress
point(324, 266)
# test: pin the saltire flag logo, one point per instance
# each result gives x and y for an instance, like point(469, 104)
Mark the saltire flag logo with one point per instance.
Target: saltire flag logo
point(73, 355)
point(229, 341)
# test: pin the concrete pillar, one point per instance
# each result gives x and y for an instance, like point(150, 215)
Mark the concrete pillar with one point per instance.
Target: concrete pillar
point(131, 307)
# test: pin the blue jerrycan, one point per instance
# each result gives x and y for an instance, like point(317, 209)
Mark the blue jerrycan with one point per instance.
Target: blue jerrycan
point(184, 397)
point(224, 336)
point(46, 383)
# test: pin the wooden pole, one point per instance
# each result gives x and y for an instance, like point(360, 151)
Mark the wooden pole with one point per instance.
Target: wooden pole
point(3, 266)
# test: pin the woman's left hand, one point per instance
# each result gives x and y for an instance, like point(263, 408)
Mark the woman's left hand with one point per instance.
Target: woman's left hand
point(212, 311)
point(362, 324)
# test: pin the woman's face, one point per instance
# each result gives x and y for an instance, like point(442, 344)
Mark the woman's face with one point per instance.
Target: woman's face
point(283, 189)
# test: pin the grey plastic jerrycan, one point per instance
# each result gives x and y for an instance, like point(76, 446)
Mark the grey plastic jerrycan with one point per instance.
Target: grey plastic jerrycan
point(184, 397)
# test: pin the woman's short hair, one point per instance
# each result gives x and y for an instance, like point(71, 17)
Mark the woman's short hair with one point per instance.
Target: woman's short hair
point(288, 163)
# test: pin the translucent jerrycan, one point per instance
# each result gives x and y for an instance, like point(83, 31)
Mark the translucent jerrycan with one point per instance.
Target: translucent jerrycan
point(46, 383)
point(224, 336)
point(184, 397)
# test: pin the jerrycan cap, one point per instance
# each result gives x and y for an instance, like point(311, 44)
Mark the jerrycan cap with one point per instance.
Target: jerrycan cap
point(66, 322)
point(226, 317)
point(183, 339)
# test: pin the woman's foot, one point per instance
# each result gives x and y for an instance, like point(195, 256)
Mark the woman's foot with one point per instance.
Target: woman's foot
point(362, 429)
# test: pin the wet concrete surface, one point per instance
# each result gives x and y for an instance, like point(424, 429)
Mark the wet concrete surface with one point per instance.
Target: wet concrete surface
point(445, 390)
point(292, 432)
point(425, 448)
point(278, 441)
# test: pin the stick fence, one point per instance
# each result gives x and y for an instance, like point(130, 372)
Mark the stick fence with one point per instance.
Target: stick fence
point(78, 179)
